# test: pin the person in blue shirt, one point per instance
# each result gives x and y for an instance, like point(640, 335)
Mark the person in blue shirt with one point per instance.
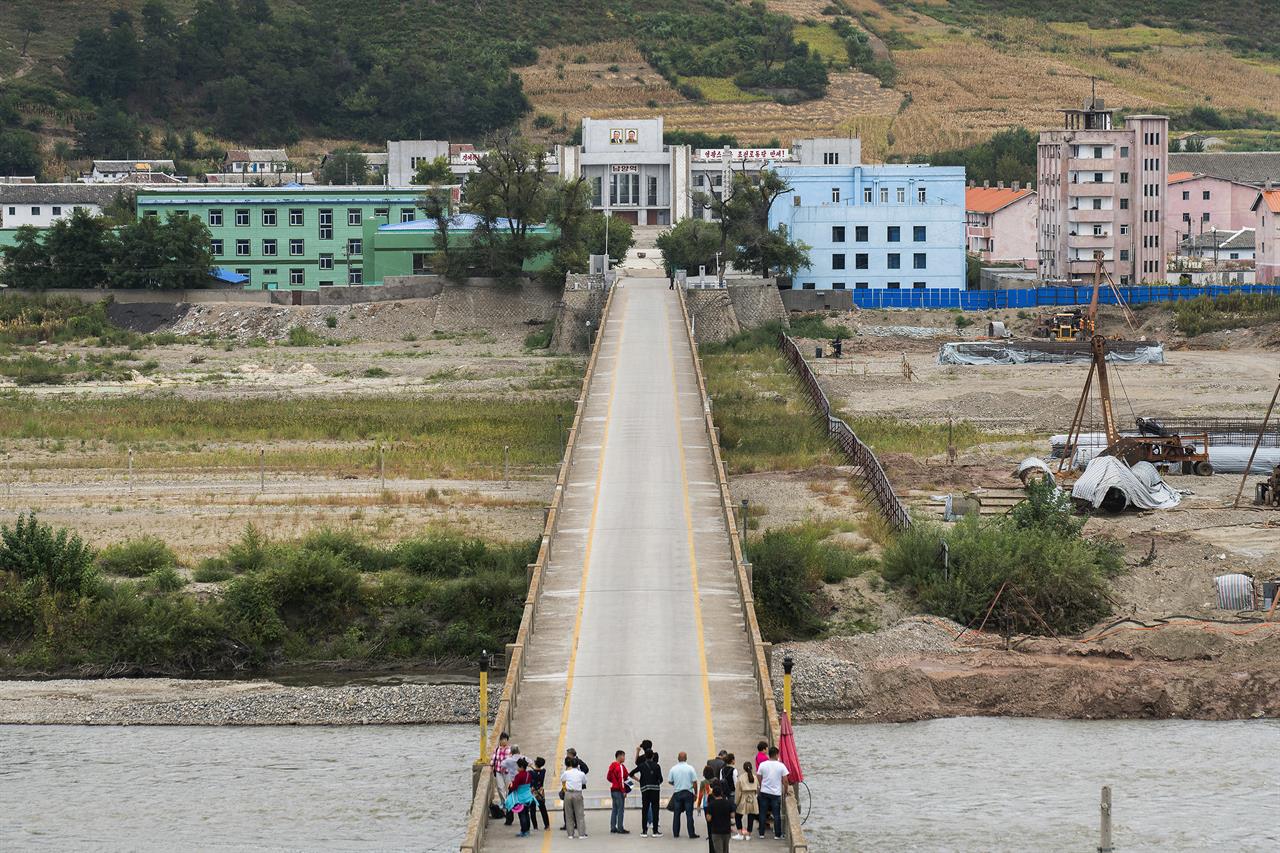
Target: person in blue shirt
point(684, 781)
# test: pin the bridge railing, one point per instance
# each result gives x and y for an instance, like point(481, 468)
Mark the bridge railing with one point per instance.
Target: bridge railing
point(485, 784)
point(868, 470)
point(742, 572)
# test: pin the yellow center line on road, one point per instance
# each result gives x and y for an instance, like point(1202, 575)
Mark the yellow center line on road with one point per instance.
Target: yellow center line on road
point(688, 524)
point(586, 565)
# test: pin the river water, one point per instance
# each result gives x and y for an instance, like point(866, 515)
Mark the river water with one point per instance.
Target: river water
point(970, 784)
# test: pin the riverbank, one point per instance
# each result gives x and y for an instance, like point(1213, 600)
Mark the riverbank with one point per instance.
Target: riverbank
point(914, 670)
point(193, 702)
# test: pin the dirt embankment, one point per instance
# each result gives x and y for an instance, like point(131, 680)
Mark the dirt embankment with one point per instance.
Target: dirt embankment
point(918, 670)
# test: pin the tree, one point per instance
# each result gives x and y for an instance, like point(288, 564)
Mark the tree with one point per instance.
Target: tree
point(174, 254)
point(690, 244)
point(510, 193)
point(26, 262)
point(1192, 144)
point(110, 133)
point(80, 249)
point(30, 22)
point(49, 561)
point(568, 210)
point(434, 173)
point(741, 213)
point(452, 262)
point(345, 166)
point(19, 153)
point(621, 236)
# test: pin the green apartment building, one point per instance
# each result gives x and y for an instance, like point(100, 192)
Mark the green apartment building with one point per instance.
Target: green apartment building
point(295, 238)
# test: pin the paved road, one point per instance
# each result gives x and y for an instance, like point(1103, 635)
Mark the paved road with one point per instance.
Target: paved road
point(639, 633)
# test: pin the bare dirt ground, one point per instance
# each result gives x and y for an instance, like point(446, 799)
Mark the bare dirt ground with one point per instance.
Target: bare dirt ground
point(1211, 664)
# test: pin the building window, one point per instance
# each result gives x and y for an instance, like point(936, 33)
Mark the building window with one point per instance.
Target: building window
point(809, 285)
point(861, 261)
point(919, 233)
point(216, 245)
point(326, 261)
point(35, 211)
point(698, 180)
point(326, 225)
point(884, 195)
point(406, 214)
point(895, 285)
point(1186, 217)
point(918, 261)
point(1097, 204)
point(1205, 195)
point(269, 248)
point(355, 275)
point(242, 218)
point(922, 195)
point(295, 248)
point(831, 158)
point(296, 278)
point(838, 285)
point(1124, 279)
point(866, 196)
point(1204, 217)
point(215, 218)
point(917, 285)
point(837, 262)
point(861, 285)
point(860, 233)
point(354, 216)
point(242, 247)
point(326, 284)
point(795, 202)
point(355, 247)
point(1124, 150)
point(902, 195)
point(268, 216)
point(835, 195)
point(894, 261)
point(1097, 151)
point(1186, 195)
point(295, 216)
point(57, 211)
point(894, 234)
point(1124, 204)
point(837, 233)
point(1124, 229)
point(1097, 177)
point(1097, 230)
point(381, 212)
point(1124, 254)
point(1124, 177)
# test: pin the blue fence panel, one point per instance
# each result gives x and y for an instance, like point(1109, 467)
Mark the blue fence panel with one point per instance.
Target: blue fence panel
point(1034, 297)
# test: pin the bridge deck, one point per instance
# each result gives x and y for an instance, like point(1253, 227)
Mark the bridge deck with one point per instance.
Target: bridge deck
point(640, 632)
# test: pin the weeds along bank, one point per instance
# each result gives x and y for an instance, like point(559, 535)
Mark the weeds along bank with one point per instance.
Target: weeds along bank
point(129, 609)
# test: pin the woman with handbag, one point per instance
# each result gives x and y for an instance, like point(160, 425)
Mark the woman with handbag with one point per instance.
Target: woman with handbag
point(745, 800)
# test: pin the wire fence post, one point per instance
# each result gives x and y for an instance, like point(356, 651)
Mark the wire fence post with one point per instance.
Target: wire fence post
point(129, 472)
point(382, 466)
point(262, 470)
point(1104, 840)
point(506, 466)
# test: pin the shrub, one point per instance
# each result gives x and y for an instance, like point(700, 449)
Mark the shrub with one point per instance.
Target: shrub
point(165, 579)
point(312, 590)
point(347, 546)
point(788, 568)
point(250, 553)
point(813, 326)
point(134, 558)
point(1046, 576)
point(376, 373)
point(47, 560)
point(212, 570)
point(303, 337)
point(331, 321)
point(963, 322)
point(539, 338)
point(542, 121)
point(452, 556)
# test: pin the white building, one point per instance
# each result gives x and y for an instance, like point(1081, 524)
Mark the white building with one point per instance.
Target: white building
point(43, 204)
point(256, 161)
point(132, 171)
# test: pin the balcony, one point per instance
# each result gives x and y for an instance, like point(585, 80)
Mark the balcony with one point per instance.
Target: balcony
point(1090, 216)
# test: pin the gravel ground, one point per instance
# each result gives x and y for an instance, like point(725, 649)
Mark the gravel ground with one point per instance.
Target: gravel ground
point(179, 702)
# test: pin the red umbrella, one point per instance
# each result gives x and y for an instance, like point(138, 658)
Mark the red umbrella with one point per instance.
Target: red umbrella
point(787, 751)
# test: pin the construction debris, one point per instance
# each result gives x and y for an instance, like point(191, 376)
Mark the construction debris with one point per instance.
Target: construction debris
point(1047, 352)
point(1108, 483)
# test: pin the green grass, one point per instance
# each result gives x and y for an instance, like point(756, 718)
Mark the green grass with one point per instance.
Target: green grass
point(1136, 37)
point(439, 436)
point(893, 435)
point(766, 423)
point(1232, 311)
point(826, 41)
point(815, 326)
point(722, 90)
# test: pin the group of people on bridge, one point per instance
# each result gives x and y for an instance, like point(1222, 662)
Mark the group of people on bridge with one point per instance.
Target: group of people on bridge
point(725, 794)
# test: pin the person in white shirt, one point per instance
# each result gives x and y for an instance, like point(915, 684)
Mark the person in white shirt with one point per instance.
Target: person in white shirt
point(574, 780)
point(773, 776)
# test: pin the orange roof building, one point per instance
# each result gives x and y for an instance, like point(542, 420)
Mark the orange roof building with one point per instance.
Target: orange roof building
point(1000, 224)
point(1266, 209)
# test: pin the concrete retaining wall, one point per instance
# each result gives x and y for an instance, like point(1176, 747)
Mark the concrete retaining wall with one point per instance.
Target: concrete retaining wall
point(744, 303)
point(582, 302)
point(817, 300)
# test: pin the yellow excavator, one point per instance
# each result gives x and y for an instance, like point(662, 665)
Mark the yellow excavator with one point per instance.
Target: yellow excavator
point(1082, 325)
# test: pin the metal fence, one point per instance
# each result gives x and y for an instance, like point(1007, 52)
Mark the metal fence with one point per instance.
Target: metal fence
point(867, 467)
point(1032, 297)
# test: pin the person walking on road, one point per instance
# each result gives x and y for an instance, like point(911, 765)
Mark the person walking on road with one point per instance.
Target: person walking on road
point(719, 814)
point(745, 800)
point(619, 779)
point(649, 774)
point(574, 780)
point(684, 780)
point(539, 783)
point(773, 778)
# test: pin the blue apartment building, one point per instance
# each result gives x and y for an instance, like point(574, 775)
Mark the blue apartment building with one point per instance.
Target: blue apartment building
point(876, 227)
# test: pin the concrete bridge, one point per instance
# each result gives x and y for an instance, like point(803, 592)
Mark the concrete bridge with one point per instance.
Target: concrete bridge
point(639, 621)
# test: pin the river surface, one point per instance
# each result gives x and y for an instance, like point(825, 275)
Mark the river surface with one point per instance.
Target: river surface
point(973, 784)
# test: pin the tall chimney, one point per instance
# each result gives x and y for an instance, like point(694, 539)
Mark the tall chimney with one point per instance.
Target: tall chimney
point(1000, 184)
point(1015, 185)
point(986, 185)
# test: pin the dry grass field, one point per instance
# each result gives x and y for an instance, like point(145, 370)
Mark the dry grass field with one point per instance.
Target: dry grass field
point(955, 85)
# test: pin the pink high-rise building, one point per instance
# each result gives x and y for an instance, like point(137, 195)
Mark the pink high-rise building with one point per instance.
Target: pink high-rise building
point(1102, 189)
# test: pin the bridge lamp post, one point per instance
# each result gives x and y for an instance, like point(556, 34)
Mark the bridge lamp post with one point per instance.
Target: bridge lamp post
point(787, 663)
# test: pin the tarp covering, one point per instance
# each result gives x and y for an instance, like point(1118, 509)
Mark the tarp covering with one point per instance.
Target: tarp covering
point(1141, 485)
point(1225, 458)
point(230, 277)
point(1011, 352)
point(1235, 592)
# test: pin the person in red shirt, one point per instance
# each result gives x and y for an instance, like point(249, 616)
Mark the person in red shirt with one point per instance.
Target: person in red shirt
point(618, 778)
point(522, 797)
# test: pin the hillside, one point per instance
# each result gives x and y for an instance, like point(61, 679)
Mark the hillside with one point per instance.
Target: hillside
point(947, 72)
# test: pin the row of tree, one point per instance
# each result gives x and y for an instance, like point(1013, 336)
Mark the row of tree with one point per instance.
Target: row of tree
point(83, 251)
